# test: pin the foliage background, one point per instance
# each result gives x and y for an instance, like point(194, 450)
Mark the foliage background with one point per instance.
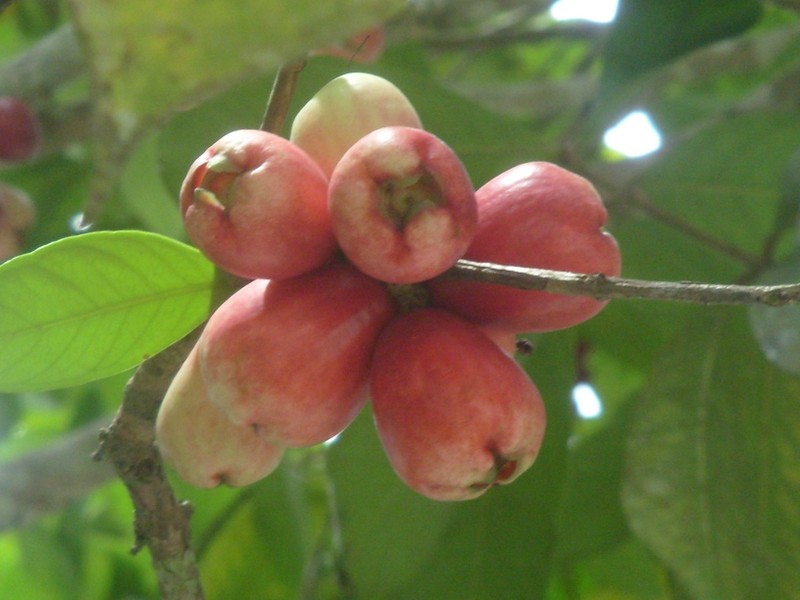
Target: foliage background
point(688, 486)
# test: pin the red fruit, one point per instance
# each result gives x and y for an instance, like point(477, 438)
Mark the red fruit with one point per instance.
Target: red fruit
point(344, 111)
point(402, 205)
point(456, 415)
point(201, 444)
point(291, 357)
point(364, 47)
point(19, 130)
point(534, 215)
point(255, 204)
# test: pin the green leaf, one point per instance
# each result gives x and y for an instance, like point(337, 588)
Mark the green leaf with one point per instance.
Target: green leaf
point(93, 305)
point(151, 58)
point(648, 33)
point(713, 480)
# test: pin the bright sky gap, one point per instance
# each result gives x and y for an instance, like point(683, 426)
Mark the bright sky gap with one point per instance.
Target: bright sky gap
point(599, 11)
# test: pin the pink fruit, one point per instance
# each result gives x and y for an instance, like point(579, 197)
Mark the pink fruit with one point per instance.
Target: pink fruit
point(291, 357)
point(19, 130)
point(534, 215)
point(455, 414)
point(345, 110)
point(402, 205)
point(255, 204)
point(201, 444)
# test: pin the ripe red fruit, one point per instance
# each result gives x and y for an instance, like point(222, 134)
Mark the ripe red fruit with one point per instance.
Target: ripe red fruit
point(402, 205)
point(291, 357)
point(201, 444)
point(455, 414)
point(534, 215)
point(255, 204)
point(19, 130)
point(346, 109)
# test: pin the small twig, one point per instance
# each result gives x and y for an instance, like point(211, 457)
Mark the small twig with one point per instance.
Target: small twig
point(601, 287)
point(281, 96)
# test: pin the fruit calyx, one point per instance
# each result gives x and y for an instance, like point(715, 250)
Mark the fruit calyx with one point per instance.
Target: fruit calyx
point(402, 199)
point(502, 472)
point(215, 185)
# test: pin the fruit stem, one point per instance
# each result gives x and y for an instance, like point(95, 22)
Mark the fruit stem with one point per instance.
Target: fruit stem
point(280, 96)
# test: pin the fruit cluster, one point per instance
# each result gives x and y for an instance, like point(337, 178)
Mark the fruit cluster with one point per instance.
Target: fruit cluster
point(346, 229)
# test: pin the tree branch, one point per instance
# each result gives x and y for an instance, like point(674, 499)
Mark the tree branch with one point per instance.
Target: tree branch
point(160, 521)
point(601, 287)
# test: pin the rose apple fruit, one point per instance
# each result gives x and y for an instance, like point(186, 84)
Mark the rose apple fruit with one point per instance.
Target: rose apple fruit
point(255, 204)
point(20, 134)
point(534, 215)
point(291, 357)
point(205, 448)
point(345, 110)
point(454, 412)
point(402, 205)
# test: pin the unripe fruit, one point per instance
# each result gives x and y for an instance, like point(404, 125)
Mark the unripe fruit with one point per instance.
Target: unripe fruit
point(534, 215)
point(344, 111)
point(402, 205)
point(291, 357)
point(255, 204)
point(196, 438)
point(19, 130)
point(455, 414)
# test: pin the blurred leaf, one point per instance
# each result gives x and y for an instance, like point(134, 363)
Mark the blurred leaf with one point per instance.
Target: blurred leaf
point(389, 532)
point(649, 33)
point(591, 519)
point(145, 195)
point(722, 182)
point(778, 329)
point(93, 305)
point(713, 479)
point(789, 207)
point(149, 59)
point(258, 551)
